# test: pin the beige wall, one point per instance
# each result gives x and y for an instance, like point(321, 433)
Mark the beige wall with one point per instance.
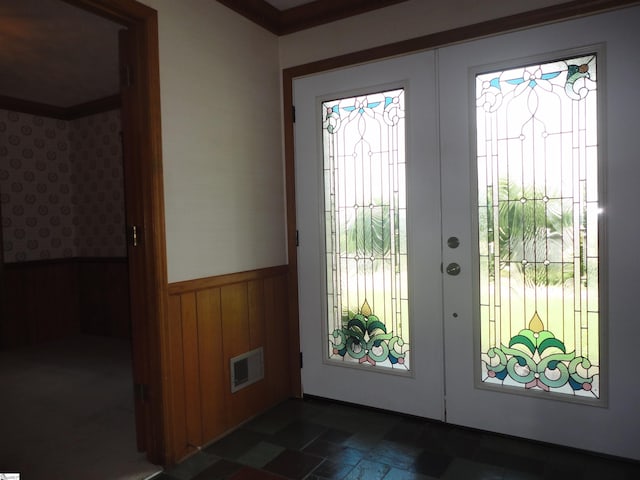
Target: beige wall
point(221, 122)
point(221, 128)
point(403, 21)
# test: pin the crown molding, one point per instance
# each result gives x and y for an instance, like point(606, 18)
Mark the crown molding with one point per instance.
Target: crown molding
point(62, 113)
point(318, 12)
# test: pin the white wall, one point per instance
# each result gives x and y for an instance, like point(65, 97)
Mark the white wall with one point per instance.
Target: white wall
point(221, 129)
point(402, 21)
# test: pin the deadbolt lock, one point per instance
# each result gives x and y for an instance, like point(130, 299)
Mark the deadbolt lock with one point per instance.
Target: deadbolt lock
point(453, 269)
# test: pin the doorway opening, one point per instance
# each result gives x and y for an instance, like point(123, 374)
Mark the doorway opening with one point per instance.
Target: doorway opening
point(69, 283)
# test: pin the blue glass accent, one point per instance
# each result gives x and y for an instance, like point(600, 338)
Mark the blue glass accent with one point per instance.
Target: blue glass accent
point(373, 105)
point(549, 76)
point(575, 385)
point(532, 83)
point(387, 101)
point(515, 81)
point(495, 83)
point(349, 109)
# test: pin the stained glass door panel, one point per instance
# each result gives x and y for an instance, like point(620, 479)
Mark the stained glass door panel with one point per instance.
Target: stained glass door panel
point(368, 215)
point(538, 226)
point(537, 157)
point(365, 209)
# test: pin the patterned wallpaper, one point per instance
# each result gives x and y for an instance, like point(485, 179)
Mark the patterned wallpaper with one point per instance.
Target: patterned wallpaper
point(61, 187)
point(96, 162)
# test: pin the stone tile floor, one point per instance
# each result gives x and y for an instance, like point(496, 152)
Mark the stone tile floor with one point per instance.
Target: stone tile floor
point(313, 439)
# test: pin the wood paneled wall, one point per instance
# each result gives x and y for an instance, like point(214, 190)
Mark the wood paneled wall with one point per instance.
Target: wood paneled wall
point(47, 300)
point(211, 321)
point(103, 293)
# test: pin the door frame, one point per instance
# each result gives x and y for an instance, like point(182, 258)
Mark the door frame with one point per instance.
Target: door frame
point(145, 208)
point(492, 27)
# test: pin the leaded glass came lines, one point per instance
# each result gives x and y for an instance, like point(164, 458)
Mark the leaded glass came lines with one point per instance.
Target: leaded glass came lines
point(365, 230)
point(538, 207)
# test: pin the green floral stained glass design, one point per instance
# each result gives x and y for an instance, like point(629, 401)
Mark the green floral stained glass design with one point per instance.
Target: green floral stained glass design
point(538, 225)
point(365, 230)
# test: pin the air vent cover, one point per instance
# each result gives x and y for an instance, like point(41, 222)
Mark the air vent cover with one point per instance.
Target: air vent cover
point(246, 369)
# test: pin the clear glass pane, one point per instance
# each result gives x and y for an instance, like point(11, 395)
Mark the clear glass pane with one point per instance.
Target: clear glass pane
point(366, 230)
point(538, 226)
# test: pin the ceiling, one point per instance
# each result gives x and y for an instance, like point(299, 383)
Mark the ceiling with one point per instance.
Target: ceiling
point(58, 55)
point(287, 16)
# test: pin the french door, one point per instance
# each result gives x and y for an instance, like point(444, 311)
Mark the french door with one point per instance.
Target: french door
point(504, 254)
point(415, 385)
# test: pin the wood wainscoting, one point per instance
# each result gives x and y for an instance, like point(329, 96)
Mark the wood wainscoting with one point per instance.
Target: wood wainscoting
point(52, 299)
point(211, 321)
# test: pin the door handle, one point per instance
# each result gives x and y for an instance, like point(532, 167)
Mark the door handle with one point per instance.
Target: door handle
point(453, 269)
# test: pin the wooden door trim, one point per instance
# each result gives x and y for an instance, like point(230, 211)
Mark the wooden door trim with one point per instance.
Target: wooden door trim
point(142, 21)
point(518, 21)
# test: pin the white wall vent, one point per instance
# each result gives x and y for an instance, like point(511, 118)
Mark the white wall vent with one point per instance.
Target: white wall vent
point(246, 369)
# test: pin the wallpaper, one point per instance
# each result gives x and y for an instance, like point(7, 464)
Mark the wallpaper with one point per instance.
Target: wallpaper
point(95, 156)
point(61, 187)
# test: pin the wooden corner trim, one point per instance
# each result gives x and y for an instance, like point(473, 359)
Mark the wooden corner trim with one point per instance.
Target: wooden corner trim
point(34, 108)
point(100, 105)
point(258, 11)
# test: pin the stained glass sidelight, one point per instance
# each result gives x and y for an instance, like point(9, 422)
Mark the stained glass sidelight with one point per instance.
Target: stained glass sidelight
point(365, 225)
point(538, 209)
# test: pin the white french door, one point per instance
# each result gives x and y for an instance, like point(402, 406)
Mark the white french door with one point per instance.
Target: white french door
point(611, 426)
point(417, 390)
point(449, 368)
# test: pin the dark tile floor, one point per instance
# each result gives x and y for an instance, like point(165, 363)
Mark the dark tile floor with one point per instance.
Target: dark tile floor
point(314, 439)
